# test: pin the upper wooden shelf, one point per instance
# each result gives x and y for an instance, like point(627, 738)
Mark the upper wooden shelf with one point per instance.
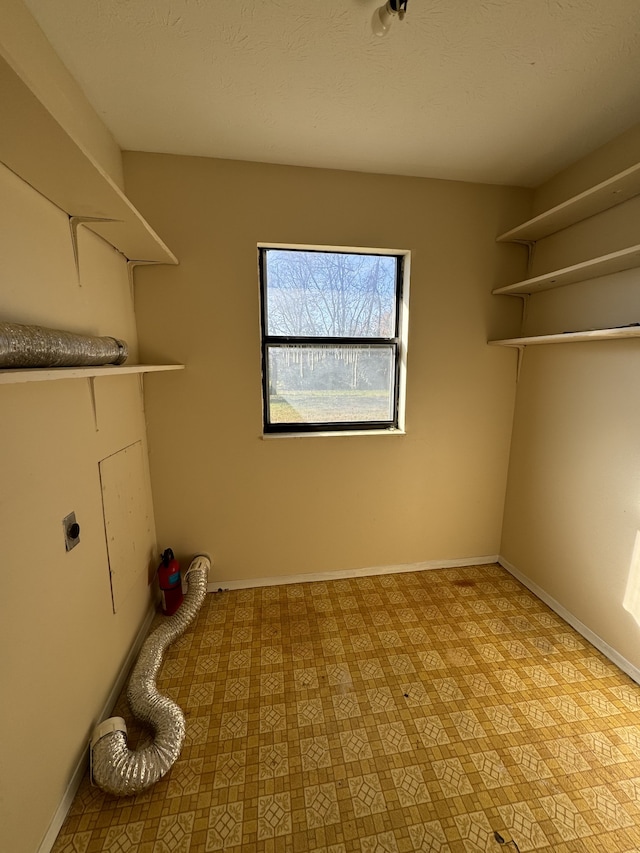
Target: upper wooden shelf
point(38, 149)
point(571, 337)
point(48, 374)
point(602, 196)
point(624, 259)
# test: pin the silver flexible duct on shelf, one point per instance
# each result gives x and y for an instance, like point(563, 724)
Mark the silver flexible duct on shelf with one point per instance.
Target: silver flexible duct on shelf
point(118, 769)
point(37, 346)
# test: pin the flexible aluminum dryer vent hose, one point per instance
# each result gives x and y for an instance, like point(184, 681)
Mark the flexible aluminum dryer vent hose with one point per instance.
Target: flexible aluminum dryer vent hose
point(37, 346)
point(118, 769)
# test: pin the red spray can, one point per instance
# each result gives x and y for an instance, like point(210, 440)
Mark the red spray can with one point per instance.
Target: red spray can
point(170, 582)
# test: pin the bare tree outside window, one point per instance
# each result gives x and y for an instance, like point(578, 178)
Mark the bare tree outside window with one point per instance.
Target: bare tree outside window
point(322, 294)
point(330, 338)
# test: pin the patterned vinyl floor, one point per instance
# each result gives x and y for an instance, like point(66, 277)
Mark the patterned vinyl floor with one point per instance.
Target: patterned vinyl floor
point(413, 712)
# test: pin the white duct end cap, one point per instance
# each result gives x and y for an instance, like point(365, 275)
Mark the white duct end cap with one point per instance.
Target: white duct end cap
point(107, 727)
point(202, 562)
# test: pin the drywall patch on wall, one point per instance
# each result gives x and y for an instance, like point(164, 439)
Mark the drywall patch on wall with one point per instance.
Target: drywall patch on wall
point(127, 522)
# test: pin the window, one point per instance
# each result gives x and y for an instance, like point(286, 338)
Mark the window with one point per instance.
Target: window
point(333, 339)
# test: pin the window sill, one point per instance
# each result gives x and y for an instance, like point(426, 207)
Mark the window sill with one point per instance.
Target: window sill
point(332, 433)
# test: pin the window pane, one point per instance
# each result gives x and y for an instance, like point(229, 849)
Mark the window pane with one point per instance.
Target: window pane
point(330, 294)
point(329, 384)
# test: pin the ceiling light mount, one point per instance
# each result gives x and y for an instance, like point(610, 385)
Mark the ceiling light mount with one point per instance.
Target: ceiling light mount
point(383, 17)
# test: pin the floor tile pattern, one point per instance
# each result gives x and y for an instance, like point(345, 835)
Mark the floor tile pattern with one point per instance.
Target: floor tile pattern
point(390, 714)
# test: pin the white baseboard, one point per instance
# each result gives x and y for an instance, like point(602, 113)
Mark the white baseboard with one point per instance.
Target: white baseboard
point(279, 580)
point(72, 788)
point(607, 650)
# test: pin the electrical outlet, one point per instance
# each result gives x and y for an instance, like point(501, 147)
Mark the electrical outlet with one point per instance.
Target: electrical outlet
point(71, 531)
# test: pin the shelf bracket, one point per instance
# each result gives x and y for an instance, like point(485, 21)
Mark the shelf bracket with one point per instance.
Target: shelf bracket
point(531, 253)
point(131, 265)
point(531, 250)
point(519, 364)
point(525, 309)
point(74, 222)
point(92, 395)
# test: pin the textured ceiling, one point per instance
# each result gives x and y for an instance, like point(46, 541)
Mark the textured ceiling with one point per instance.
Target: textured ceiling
point(502, 91)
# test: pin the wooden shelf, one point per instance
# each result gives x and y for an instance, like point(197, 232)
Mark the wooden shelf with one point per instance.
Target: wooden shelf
point(48, 374)
point(42, 153)
point(602, 196)
point(624, 259)
point(571, 337)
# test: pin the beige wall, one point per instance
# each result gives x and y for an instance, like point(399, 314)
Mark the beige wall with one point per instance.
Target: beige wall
point(573, 499)
point(285, 506)
point(62, 646)
point(29, 53)
point(279, 507)
point(618, 154)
